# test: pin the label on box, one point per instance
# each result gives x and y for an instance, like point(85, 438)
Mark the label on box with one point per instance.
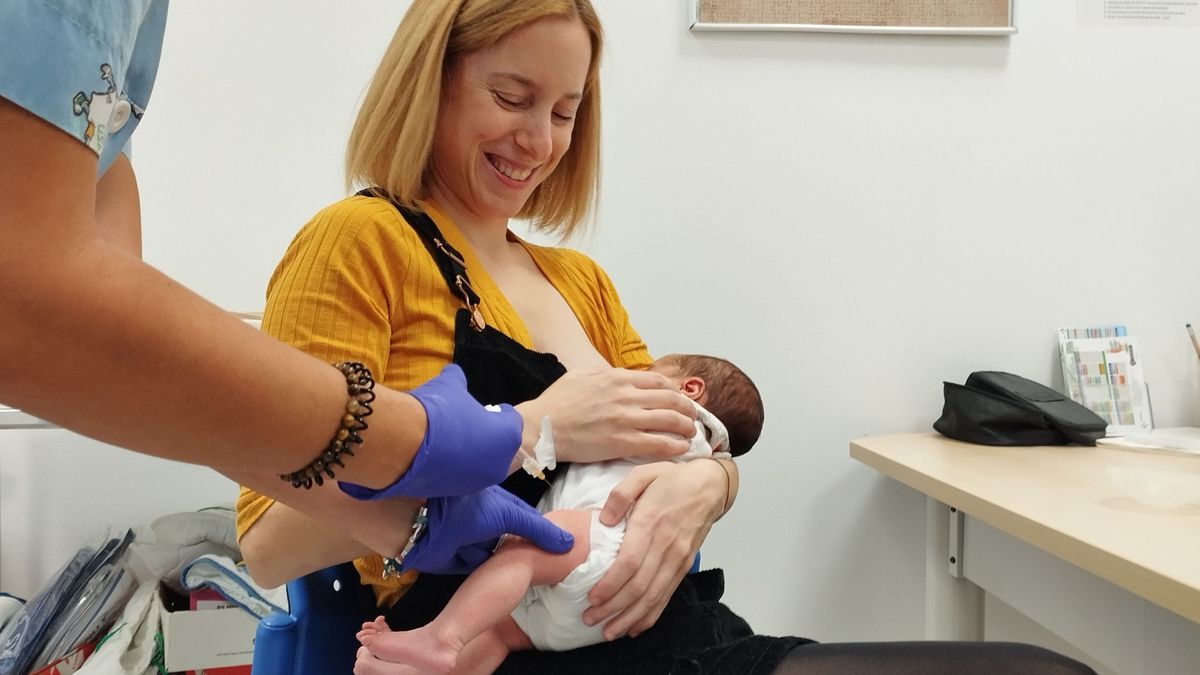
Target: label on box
point(233, 670)
point(213, 604)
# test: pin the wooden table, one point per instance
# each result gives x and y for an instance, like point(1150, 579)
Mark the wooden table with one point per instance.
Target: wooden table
point(1059, 534)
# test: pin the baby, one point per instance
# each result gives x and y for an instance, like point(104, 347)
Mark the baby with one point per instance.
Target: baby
point(525, 598)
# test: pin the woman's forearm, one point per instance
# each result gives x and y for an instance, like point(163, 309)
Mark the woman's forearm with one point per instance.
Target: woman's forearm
point(319, 528)
point(714, 482)
point(599, 414)
point(286, 544)
point(733, 482)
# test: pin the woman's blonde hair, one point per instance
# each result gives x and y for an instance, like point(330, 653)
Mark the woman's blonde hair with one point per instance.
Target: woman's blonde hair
point(392, 138)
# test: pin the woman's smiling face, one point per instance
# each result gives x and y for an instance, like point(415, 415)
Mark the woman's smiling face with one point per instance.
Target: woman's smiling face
point(506, 117)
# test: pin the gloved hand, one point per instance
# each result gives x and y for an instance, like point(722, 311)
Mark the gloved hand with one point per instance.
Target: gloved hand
point(467, 447)
point(463, 531)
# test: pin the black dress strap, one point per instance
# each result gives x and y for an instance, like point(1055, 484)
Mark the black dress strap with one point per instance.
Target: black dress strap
point(449, 261)
point(498, 368)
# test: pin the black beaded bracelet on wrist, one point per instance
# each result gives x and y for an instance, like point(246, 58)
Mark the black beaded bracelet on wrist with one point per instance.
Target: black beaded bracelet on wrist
point(360, 386)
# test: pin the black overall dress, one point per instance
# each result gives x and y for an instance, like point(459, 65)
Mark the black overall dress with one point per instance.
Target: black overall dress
point(696, 633)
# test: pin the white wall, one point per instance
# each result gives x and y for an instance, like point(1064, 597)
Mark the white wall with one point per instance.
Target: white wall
point(59, 490)
point(852, 219)
point(865, 216)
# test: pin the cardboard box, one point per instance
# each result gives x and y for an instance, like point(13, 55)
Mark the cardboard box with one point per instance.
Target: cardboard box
point(70, 663)
point(211, 637)
point(232, 670)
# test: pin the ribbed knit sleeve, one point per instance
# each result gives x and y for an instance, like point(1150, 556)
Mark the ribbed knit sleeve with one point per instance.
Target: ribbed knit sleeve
point(335, 293)
point(334, 296)
point(630, 351)
point(356, 284)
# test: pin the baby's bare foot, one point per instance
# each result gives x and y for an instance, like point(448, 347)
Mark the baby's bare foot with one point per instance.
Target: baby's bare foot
point(367, 664)
point(372, 628)
point(426, 649)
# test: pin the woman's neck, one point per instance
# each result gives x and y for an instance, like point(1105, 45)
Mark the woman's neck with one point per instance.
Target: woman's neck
point(487, 237)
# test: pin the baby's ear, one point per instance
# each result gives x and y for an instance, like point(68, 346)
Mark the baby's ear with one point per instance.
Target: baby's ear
point(693, 388)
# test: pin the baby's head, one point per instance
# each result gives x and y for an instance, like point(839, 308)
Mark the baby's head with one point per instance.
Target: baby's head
point(723, 389)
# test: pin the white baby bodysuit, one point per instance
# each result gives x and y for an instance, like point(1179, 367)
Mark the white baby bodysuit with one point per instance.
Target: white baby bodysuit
point(552, 616)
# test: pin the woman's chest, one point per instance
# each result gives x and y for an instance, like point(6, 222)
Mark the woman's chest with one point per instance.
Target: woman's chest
point(549, 319)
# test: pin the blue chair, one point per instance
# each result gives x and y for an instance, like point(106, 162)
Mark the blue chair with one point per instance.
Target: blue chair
point(317, 636)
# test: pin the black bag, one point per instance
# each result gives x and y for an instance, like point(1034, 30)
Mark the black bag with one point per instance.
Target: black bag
point(996, 408)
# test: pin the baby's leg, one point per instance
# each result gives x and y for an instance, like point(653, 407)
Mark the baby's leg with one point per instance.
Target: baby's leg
point(484, 654)
point(486, 599)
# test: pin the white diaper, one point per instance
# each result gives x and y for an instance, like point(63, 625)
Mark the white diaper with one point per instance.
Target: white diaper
point(552, 616)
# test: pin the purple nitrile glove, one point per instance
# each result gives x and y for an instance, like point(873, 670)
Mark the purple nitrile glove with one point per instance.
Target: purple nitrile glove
point(462, 531)
point(467, 447)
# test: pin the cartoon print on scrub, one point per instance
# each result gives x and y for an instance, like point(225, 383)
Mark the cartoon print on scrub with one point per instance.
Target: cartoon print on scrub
point(106, 111)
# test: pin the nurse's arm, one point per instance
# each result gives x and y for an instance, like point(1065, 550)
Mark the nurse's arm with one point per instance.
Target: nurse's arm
point(95, 340)
point(118, 210)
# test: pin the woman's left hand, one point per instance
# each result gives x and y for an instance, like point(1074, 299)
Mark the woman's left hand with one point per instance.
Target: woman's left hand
point(670, 508)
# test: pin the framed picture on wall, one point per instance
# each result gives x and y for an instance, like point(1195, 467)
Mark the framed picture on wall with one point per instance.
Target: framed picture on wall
point(933, 17)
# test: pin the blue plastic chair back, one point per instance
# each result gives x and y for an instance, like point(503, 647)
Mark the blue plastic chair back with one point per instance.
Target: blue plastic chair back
point(317, 636)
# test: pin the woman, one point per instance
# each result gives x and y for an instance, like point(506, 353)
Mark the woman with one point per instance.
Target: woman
point(358, 283)
point(485, 110)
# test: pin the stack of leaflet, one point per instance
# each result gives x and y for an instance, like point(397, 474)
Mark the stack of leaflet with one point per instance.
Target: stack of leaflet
point(1175, 439)
point(1102, 370)
point(73, 609)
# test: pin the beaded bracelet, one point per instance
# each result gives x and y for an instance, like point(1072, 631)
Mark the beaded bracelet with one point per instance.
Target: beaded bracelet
point(360, 386)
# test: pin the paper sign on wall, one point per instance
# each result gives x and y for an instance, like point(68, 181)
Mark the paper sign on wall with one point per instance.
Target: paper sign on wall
point(1139, 12)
